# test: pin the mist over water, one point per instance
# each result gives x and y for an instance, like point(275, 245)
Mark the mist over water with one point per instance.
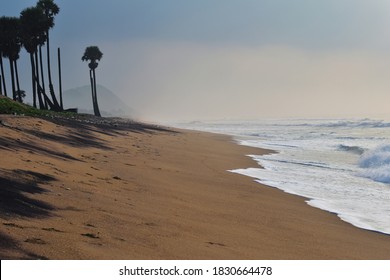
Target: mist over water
point(341, 166)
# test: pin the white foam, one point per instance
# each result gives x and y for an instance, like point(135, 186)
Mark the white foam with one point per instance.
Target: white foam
point(323, 161)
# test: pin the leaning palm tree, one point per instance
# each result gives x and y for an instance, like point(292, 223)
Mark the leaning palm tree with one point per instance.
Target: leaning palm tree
point(93, 55)
point(49, 9)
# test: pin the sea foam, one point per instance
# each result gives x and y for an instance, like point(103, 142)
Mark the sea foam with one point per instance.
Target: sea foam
point(341, 166)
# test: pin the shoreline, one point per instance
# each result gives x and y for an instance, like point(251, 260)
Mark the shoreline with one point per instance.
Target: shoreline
point(81, 190)
point(310, 201)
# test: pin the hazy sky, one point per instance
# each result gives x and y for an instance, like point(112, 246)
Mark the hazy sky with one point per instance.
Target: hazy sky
point(229, 59)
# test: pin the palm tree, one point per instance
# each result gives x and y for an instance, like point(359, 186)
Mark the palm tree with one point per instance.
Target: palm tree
point(33, 26)
point(93, 55)
point(11, 45)
point(50, 9)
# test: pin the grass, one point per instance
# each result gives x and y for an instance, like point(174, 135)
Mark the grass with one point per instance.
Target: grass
point(10, 107)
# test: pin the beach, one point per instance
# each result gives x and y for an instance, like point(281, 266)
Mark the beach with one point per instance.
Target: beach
point(115, 189)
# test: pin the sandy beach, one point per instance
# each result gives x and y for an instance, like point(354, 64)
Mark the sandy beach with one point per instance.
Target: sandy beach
point(109, 189)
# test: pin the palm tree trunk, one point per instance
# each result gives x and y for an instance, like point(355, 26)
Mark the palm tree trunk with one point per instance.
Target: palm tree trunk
point(96, 105)
point(17, 82)
point(39, 88)
point(45, 97)
point(42, 76)
point(11, 67)
point(34, 88)
point(60, 79)
point(48, 60)
point(2, 75)
point(92, 91)
point(57, 106)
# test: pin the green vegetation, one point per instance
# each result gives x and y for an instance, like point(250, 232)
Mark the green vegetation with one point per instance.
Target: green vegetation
point(8, 106)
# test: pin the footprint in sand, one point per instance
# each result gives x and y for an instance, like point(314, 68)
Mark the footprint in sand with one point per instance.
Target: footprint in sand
point(216, 243)
point(52, 229)
point(90, 235)
point(90, 225)
point(13, 225)
point(35, 241)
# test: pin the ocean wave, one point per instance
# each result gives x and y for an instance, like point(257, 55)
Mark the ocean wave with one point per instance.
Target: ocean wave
point(358, 124)
point(363, 123)
point(376, 164)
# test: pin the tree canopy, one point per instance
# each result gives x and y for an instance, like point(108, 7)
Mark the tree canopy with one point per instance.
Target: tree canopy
point(92, 54)
point(10, 44)
point(33, 28)
point(50, 10)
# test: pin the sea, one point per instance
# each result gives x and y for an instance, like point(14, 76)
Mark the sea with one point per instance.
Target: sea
point(339, 165)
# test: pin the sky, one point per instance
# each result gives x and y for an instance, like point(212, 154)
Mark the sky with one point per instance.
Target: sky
point(174, 60)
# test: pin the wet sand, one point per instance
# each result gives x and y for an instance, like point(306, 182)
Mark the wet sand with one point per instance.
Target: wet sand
point(109, 189)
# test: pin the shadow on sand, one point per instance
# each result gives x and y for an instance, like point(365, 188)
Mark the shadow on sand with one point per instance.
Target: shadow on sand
point(15, 185)
point(108, 126)
point(83, 136)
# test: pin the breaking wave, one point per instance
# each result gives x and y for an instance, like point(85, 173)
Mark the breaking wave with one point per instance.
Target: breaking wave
point(376, 164)
point(358, 124)
point(364, 123)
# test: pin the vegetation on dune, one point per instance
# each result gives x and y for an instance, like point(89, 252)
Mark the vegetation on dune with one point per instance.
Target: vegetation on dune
point(11, 107)
point(8, 106)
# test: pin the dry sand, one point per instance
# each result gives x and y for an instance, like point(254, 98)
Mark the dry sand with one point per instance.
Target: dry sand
point(79, 190)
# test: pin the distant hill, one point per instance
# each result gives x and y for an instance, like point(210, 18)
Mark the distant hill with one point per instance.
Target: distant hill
point(110, 105)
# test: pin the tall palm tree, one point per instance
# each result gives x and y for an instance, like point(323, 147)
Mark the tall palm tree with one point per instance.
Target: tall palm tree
point(93, 55)
point(11, 45)
point(33, 26)
point(49, 9)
